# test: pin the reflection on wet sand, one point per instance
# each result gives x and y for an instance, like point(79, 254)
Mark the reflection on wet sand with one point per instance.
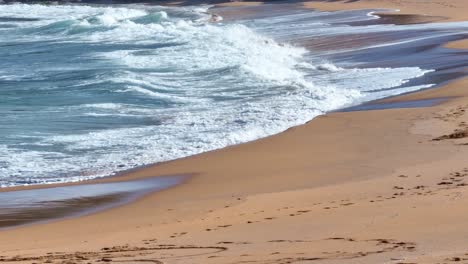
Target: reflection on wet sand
point(28, 206)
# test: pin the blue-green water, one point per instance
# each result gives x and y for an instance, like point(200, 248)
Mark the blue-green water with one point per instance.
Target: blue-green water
point(86, 91)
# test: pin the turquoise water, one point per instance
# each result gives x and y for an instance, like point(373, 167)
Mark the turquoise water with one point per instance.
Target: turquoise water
point(86, 91)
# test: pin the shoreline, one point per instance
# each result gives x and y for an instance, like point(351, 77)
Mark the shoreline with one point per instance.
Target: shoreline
point(386, 17)
point(123, 176)
point(36, 206)
point(452, 10)
point(344, 150)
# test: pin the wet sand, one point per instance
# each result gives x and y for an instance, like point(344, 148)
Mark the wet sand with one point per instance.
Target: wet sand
point(461, 44)
point(451, 10)
point(28, 206)
point(385, 185)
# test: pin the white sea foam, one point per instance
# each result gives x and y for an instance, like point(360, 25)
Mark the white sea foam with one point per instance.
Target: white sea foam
point(329, 67)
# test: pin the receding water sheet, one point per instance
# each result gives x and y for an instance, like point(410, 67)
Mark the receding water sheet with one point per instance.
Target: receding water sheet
point(398, 104)
point(36, 205)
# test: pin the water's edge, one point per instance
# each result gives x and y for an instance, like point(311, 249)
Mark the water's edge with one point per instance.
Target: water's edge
point(32, 206)
point(435, 79)
point(124, 192)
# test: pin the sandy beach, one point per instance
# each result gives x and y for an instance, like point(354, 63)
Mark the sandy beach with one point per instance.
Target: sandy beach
point(451, 10)
point(376, 186)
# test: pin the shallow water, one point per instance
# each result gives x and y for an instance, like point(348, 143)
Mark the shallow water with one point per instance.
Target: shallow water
point(36, 205)
point(394, 105)
point(86, 91)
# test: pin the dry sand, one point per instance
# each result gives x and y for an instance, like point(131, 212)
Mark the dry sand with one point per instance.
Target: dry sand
point(386, 186)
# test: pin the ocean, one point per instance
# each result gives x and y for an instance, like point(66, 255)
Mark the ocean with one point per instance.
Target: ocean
point(87, 91)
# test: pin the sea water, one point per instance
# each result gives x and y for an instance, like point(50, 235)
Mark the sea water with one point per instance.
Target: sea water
point(87, 91)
